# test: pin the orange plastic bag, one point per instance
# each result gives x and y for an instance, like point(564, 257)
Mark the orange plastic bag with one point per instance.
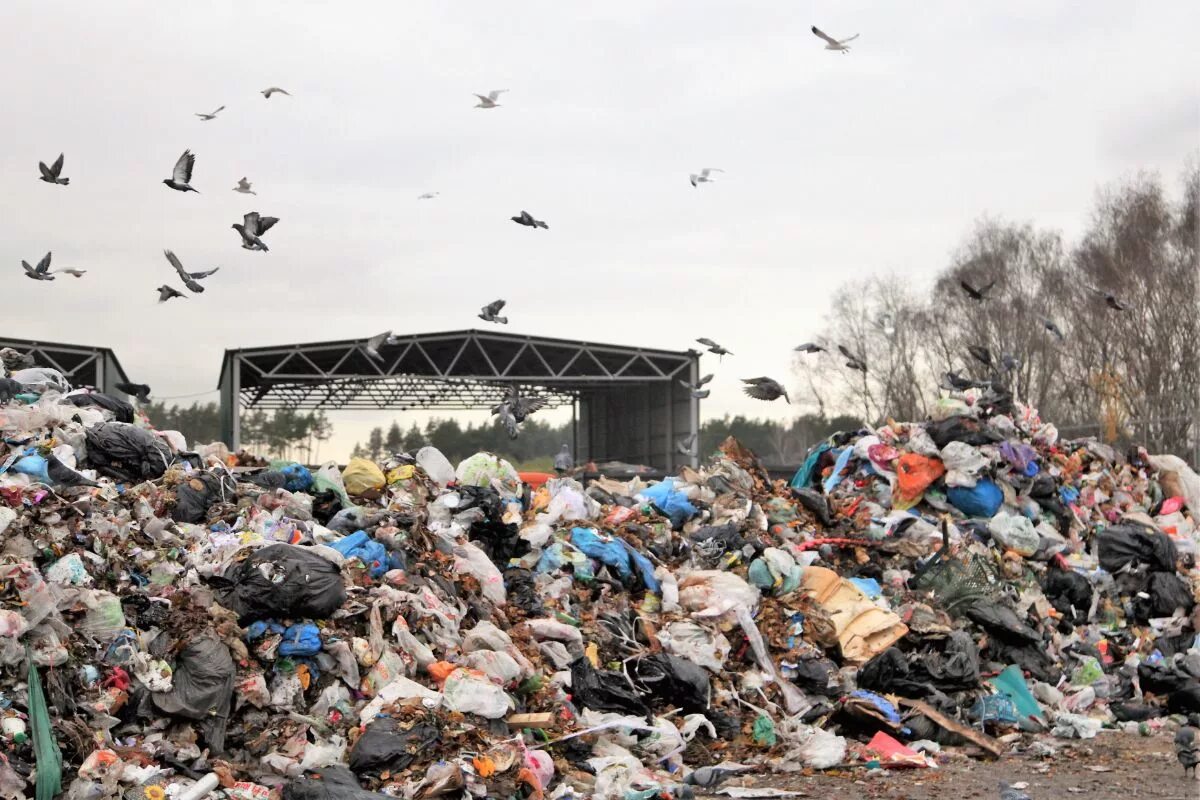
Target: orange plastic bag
point(914, 474)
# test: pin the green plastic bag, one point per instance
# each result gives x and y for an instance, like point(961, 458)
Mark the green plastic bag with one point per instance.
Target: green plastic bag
point(45, 748)
point(764, 731)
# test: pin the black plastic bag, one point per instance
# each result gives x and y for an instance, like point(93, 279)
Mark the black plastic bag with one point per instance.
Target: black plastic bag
point(1135, 712)
point(1001, 621)
point(967, 430)
point(1168, 592)
point(335, 782)
point(1134, 545)
point(1161, 679)
point(672, 681)
point(270, 479)
point(815, 676)
point(604, 691)
point(202, 688)
point(385, 746)
point(522, 591)
point(1186, 699)
point(281, 580)
point(125, 453)
point(195, 495)
point(121, 411)
point(815, 502)
point(1069, 592)
point(717, 539)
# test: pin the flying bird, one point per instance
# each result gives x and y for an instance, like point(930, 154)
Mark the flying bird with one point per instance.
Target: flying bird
point(980, 354)
point(139, 390)
point(190, 279)
point(978, 295)
point(809, 347)
point(181, 176)
point(563, 461)
point(377, 341)
point(165, 293)
point(77, 273)
point(952, 380)
point(857, 364)
point(52, 173)
point(528, 221)
point(273, 90)
point(41, 272)
point(714, 348)
point(213, 115)
point(704, 176)
point(765, 389)
point(1009, 362)
point(428, 195)
point(514, 408)
point(686, 446)
point(489, 100)
point(1008, 792)
point(853, 358)
point(490, 312)
point(243, 187)
point(695, 390)
point(1049, 325)
point(1110, 299)
point(1187, 749)
point(251, 229)
point(832, 43)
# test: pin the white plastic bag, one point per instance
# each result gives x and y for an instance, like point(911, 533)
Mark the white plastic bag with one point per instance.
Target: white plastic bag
point(436, 465)
point(470, 560)
point(472, 693)
point(1015, 532)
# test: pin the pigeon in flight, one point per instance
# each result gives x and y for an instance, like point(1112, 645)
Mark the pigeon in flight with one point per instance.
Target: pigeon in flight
point(489, 100)
point(377, 341)
point(213, 115)
point(831, 43)
point(952, 380)
point(165, 293)
point(528, 221)
point(1049, 325)
point(52, 173)
point(853, 361)
point(1110, 299)
point(981, 354)
point(697, 392)
point(251, 228)
point(1009, 362)
point(190, 279)
point(714, 348)
point(490, 312)
point(765, 389)
point(139, 390)
point(273, 90)
point(428, 195)
point(77, 273)
point(978, 295)
point(563, 461)
point(1008, 792)
point(686, 446)
point(41, 272)
point(1187, 749)
point(810, 347)
point(704, 176)
point(514, 408)
point(181, 176)
point(243, 187)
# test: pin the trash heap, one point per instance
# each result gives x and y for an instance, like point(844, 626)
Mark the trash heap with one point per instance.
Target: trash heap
point(176, 623)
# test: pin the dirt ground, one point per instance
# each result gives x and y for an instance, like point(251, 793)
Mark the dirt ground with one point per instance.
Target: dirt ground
point(1113, 765)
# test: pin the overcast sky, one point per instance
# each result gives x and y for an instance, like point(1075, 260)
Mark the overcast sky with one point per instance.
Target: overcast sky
point(837, 167)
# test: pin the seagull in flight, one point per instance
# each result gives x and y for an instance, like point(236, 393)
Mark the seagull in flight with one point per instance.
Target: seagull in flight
point(765, 389)
point(490, 312)
point(809, 347)
point(832, 43)
point(379, 340)
point(489, 100)
point(213, 115)
point(51, 173)
point(190, 279)
point(704, 176)
point(686, 446)
point(251, 228)
point(526, 219)
point(514, 408)
point(1110, 299)
point(273, 90)
point(243, 187)
point(181, 176)
point(428, 195)
point(978, 295)
point(166, 293)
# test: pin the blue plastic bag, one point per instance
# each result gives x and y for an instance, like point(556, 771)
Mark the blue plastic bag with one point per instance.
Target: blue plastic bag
point(260, 628)
point(670, 501)
point(34, 466)
point(616, 553)
point(981, 500)
point(804, 475)
point(301, 640)
point(365, 549)
point(836, 476)
point(299, 479)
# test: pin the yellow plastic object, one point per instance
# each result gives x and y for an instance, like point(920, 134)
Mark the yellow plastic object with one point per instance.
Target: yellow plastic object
point(361, 476)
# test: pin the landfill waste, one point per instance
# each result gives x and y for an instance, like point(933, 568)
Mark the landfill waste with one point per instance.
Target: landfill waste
point(176, 621)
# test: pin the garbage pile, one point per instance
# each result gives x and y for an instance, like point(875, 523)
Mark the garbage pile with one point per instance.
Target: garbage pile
point(177, 624)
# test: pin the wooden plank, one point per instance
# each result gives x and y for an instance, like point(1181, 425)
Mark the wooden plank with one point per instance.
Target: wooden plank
point(970, 734)
point(540, 720)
